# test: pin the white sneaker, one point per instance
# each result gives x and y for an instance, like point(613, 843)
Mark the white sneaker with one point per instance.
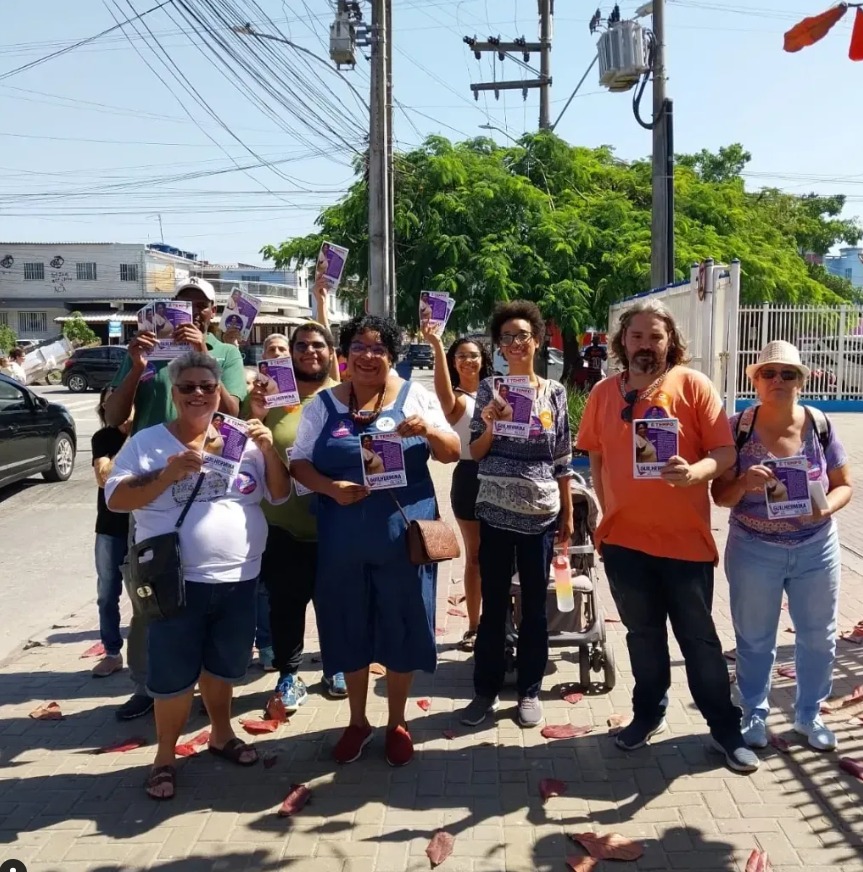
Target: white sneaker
point(755, 732)
point(820, 738)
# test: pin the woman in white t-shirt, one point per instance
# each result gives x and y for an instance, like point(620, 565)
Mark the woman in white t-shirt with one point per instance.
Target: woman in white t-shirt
point(457, 375)
point(221, 543)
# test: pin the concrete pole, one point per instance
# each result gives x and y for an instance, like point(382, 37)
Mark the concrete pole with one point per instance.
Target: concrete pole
point(660, 217)
point(545, 31)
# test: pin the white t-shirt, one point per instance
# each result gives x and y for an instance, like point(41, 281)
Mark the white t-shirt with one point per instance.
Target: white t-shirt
point(224, 533)
point(14, 370)
point(418, 401)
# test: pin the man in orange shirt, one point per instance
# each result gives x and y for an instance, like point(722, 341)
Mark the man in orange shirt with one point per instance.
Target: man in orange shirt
point(655, 536)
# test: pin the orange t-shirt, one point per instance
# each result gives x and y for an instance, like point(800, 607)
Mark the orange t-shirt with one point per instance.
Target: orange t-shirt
point(652, 516)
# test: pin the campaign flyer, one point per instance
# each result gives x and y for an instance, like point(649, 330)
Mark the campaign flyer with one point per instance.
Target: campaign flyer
point(240, 313)
point(383, 461)
point(280, 372)
point(299, 490)
point(435, 309)
point(515, 398)
point(654, 443)
point(225, 443)
point(145, 319)
point(167, 317)
point(331, 264)
point(787, 493)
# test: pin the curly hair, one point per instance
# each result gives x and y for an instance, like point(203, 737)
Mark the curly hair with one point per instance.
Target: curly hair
point(486, 367)
point(677, 354)
point(386, 327)
point(521, 309)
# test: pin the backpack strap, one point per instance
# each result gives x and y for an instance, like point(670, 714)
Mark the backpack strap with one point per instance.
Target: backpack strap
point(822, 425)
point(743, 430)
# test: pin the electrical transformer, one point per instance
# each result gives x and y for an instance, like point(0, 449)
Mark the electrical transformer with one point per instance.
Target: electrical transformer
point(622, 55)
point(343, 42)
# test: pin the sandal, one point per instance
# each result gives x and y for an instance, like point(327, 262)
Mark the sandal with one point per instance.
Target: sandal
point(468, 641)
point(159, 776)
point(233, 750)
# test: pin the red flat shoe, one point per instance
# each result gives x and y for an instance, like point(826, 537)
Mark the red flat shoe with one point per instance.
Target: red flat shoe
point(399, 747)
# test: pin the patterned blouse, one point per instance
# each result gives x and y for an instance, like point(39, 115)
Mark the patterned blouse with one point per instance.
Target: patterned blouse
point(518, 478)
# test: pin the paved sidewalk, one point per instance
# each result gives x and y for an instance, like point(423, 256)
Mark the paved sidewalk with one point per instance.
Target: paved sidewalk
point(63, 808)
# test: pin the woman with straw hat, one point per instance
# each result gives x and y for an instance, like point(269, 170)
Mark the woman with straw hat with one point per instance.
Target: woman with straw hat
point(797, 555)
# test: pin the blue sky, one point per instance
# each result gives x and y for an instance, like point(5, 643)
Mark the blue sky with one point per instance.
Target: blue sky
point(98, 117)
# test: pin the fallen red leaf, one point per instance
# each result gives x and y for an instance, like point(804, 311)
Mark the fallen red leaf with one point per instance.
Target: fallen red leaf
point(439, 848)
point(190, 748)
point(256, 726)
point(96, 650)
point(269, 760)
point(730, 655)
point(201, 739)
point(122, 745)
point(582, 864)
point(611, 846)
point(456, 599)
point(852, 767)
point(377, 669)
point(551, 787)
point(571, 696)
point(813, 28)
point(275, 710)
point(448, 734)
point(48, 712)
point(779, 743)
point(758, 862)
point(424, 704)
point(457, 613)
point(564, 731)
point(295, 800)
point(787, 672)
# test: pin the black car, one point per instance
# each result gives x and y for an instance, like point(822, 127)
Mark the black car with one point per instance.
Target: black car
point(35, 436)
point(420, 356)
point(92, 367)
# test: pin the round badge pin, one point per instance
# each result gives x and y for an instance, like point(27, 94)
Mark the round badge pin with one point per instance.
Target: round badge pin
point(546, 418)
point(386, 424)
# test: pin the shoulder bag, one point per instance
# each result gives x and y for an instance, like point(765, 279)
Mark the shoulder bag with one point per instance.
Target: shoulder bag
point(429, 541)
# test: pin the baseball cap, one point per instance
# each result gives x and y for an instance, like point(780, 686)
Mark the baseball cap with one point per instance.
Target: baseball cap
point(201, 285)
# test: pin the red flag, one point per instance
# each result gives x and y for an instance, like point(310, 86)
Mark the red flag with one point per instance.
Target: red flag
point(856, 50)
point(813, 29)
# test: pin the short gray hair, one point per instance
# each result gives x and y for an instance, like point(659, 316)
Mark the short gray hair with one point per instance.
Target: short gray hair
point(193, 360)
point(273, 337)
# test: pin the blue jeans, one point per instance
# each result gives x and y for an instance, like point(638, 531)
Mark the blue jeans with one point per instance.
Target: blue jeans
point(263, 635)
point(110, 552)
point(758, 572)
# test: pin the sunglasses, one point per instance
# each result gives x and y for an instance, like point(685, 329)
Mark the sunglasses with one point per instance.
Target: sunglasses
point(786, 375)
point(515, 338)
point(302, 346)
point(626, 413)
point(189, 388)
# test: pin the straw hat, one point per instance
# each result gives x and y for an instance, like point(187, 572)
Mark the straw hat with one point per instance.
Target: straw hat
point(778, 353)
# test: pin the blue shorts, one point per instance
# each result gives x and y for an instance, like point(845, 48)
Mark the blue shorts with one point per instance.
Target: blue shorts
point(214, 633)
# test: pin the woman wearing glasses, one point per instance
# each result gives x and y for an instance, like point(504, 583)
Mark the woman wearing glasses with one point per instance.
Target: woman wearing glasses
point(457, 375)
point(795, 555)
point(221, 542)
point(373, 605)
point(524, 500)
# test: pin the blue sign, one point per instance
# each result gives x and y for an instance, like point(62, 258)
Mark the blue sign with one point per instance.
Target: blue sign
point(115, 330)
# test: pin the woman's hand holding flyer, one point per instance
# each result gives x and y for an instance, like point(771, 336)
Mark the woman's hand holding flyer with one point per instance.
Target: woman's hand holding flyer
point(383, 460)
point(787, 493)
point(281, 372)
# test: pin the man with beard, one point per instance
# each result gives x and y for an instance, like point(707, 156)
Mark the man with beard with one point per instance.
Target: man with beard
point(144, 386)
point(289, 565)
point(655, 536)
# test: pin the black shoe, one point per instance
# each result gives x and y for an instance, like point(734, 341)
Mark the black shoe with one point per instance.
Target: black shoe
point(738, 755)
point(638, 733)
point(136, 706)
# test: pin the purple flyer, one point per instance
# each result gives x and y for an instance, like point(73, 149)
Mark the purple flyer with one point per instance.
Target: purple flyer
point(787, 493)
point(281, 387)
point(654, 443)
point(167, 317)
point(331, 264)
point(383, 459)
point(225, 443)
point(240, 313)
point(515, 398)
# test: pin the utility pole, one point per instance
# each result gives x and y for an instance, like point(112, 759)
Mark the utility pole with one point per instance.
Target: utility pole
point(662, 224)
point(391, 188)
point(545, 15)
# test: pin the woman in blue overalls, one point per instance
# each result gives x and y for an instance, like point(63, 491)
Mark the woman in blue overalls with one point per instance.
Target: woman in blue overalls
point(372, 604)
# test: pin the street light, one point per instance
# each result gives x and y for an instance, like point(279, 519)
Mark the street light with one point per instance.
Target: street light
point(499, 130)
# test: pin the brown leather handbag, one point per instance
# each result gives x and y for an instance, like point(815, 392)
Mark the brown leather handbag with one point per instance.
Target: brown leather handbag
point(429, 541)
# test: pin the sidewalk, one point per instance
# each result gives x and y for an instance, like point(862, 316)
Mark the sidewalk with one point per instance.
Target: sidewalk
point(63, 808)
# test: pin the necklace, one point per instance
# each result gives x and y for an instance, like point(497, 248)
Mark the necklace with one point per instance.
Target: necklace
point(363, 419)
point(643, 395)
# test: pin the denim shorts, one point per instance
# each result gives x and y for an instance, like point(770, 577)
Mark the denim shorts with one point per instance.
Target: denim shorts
point(214, 633)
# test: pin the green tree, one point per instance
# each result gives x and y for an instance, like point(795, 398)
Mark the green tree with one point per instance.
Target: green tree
point(78, 331)
point(7, 338)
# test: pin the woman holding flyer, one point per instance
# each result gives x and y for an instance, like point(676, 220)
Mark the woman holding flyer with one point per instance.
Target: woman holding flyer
point(207, 642)
point(524, 500)
point(373, 605)
point(457, 375)
point(792, 475)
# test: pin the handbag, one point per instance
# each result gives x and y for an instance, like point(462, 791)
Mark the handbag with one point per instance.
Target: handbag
point(429, 541)
point(157, 584)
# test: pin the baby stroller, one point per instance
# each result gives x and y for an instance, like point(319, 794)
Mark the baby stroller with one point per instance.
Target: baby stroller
point(584, 626)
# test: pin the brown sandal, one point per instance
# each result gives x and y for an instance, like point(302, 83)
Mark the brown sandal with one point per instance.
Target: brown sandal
point(233, 750)
point(160, 775)
point(468, 641)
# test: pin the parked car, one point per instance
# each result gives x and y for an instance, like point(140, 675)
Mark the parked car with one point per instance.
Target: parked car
point(35, 436)
point(92, 367)
point(420, 356)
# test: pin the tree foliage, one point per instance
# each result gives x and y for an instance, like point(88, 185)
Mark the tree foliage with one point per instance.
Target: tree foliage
point(7, 338)
point(569, 227)
point(78, 331)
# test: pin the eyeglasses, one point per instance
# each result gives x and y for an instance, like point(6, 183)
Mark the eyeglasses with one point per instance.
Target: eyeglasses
point(189, 388)
point(467, 355)
point(786, 375)
point(515, 338)
point(626, 413)
point(302, 346)
point(376, 350)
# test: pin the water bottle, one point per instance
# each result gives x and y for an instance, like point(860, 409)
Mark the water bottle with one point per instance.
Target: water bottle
point(563, 582)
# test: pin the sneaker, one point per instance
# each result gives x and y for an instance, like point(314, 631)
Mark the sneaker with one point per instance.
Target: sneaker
point(399, 747)
point(266, 658)
point(136, 706)
point(479, 708)
point(738, 756)
point(293, 691)
point(335, 686)
point(529, 711)
point(755, 732)
point(353, 740)
point(820, 738)
point(638, 733)
point(108, 665)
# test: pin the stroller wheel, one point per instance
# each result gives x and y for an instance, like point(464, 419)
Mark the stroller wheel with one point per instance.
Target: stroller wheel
point(584, 666)
point(609, 667)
